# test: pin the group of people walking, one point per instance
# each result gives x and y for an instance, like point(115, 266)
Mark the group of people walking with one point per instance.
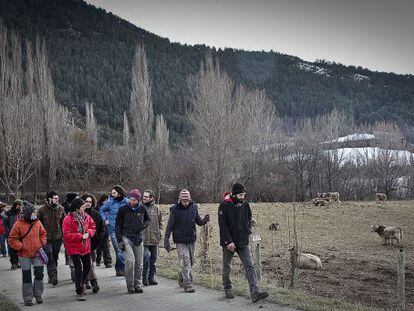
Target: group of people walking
point(134, 225)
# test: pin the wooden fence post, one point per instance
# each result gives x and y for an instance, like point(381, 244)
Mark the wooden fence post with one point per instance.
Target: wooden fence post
point(401, 280)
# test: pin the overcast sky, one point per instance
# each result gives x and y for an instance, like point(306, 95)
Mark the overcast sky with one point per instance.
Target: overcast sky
point(376, 34)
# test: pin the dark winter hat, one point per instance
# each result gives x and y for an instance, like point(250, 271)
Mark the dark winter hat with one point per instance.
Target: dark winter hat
point(70, 196)
point(76, 204)
point(28, 209)
point(121, 191)
point(237, 188)
point(135, 194)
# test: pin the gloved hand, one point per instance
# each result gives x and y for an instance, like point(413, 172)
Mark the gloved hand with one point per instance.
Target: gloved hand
point(207, 218)
point(167, 245)
point(121, 246)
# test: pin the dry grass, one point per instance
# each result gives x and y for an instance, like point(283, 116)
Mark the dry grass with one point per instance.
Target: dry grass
point(359, 272)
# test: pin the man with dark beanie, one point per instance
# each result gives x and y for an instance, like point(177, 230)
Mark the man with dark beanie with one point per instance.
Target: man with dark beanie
point(51, 216)
point(131, 220)
point(235, 221)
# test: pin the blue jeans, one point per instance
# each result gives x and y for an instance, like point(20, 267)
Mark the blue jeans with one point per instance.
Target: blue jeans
point(120, 259)
point(150, 257)
point(3, 244)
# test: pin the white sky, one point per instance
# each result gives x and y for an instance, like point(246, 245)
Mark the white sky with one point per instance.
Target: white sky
point(375, 34)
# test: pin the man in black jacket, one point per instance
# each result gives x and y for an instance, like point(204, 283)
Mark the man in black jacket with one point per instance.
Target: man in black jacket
point(130, 221)
point(235, 221)
point(183, 218)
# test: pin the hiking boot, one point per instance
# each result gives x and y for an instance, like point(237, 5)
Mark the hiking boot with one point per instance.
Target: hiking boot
point(152, 282)
point(95, 286)
point(131, 290)
point(259, 295)
point(54, 282)
point(138, 289)
point(145, 282)
point(28, 303)
point(13, 267)
point(119, 273)
point(189, 289)
point(81, 297)
point(229, 294)
point(39, 300)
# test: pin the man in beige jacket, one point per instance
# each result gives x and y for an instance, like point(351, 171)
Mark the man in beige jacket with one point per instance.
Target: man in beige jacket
point(152, 236)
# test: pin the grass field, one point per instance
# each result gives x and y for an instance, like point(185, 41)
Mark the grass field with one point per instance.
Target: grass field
point(359, 273)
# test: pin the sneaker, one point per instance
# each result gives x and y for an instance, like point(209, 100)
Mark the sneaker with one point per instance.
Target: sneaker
point(152, 282)
point(131, 290)
point(39, 300)
point(189, 289)
point(28, 303)
point(229, 294)
point(259, 295)
point(81, 297)
point(13, 267)
point(138, 289)
point(120, 273)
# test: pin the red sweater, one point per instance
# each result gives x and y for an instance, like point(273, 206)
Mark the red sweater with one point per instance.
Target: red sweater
point(72, 237)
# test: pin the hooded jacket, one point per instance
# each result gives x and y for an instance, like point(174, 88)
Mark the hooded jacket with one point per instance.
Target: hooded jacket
point(73, 237)
point(31, 243)
point(52, 218)
point(109, 210)
point(235, 221)
point(182, 223)
point(152, 234)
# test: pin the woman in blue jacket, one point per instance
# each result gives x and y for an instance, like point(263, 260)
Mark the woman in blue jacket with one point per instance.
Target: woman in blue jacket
point(108, 212)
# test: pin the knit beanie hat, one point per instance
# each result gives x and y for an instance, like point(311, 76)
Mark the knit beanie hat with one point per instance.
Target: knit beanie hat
point(184, 195)
point(76, 204)
point(237, 188)
point(28, 209)
point(135, 194)
point(70, 196)
point(17, 202)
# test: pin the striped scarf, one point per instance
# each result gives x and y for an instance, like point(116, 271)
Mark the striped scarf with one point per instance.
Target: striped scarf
point(80, 219)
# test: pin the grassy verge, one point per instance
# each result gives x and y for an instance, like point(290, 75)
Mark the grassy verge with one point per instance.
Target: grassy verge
point(282, 296)
point(6, 304)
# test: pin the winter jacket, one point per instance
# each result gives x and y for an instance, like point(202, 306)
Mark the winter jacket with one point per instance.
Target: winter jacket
point(52, 218)
point(182, 223)
point(2, 229)
point(152, 234)
point(235, 221)
point(10, 218)
point(73, 236)
point(31, 243)
point(130, 222)
point(99, 225)
point(109, 210)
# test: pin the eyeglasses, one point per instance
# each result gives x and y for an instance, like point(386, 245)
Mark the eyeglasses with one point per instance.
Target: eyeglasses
point(55, 198)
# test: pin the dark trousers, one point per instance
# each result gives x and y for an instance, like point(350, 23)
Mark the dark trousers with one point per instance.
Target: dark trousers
point(3, 244)
point(82, 265)
point(103, 249)
point(14, 256)
point(246, 259)
point(150, 257)
point(52, 250)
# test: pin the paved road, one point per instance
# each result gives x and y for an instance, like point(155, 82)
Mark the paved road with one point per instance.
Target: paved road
point(167, 296)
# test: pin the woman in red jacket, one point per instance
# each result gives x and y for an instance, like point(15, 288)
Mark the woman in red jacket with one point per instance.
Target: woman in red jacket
point(27, 237)
point(78, 228)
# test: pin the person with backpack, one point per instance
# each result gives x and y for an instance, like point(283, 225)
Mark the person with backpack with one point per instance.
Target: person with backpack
point(9, 219)
point(27, 237)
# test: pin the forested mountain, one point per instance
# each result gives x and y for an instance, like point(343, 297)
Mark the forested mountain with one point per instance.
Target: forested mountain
point(91, 53)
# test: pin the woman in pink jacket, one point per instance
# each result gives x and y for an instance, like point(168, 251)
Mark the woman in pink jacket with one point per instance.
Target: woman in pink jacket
point(78, 228)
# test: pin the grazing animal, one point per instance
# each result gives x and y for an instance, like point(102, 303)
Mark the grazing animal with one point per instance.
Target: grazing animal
point(388, 234)
point(380, 197)
point(309, 261)
point(319, 202)
point(273, 226)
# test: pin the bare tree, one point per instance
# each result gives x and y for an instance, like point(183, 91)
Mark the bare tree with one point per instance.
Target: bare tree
point(125, 132)
point(91, 125)
point(141, 108)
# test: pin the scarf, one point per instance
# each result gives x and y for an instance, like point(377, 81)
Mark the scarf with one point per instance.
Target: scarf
point(80, 219)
